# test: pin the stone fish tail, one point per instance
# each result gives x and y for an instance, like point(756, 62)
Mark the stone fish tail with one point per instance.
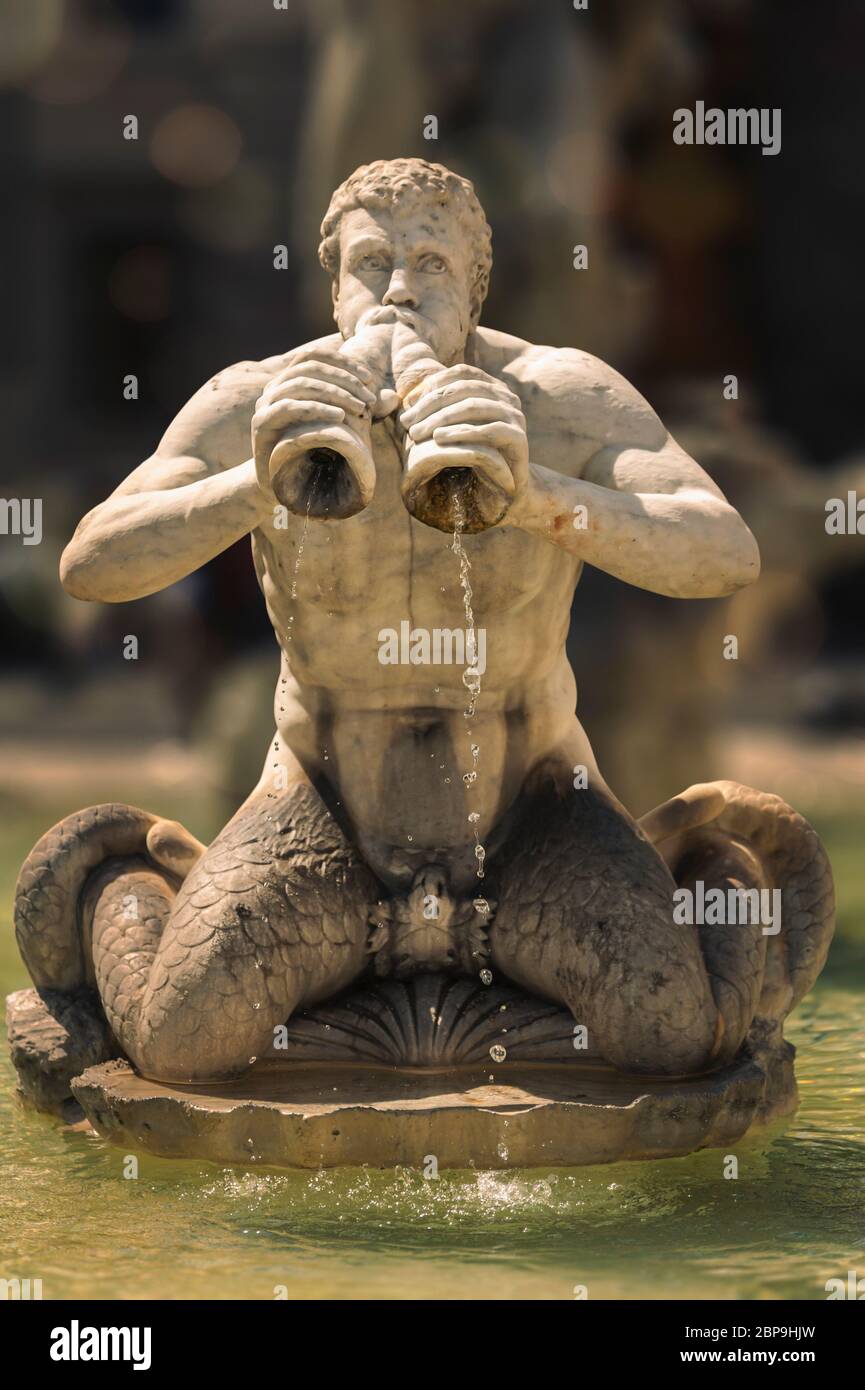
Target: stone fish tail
point(51, 884)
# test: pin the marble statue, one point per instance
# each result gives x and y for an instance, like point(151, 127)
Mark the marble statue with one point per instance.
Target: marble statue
point(412, 477)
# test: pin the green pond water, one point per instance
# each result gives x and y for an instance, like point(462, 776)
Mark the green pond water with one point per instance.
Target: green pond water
point(668, 1229)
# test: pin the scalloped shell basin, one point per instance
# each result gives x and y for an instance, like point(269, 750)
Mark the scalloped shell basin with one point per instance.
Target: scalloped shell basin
point(401, 1071)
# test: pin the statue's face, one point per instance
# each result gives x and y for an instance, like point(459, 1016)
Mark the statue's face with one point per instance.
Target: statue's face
point(409, 263)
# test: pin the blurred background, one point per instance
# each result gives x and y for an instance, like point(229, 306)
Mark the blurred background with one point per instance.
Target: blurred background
point(154, 258)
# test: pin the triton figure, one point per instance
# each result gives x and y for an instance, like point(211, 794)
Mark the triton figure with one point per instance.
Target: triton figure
point(356, 853)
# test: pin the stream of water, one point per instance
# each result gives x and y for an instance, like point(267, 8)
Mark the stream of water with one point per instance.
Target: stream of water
point(297, 562)
point(472, 682)
point(471, 675)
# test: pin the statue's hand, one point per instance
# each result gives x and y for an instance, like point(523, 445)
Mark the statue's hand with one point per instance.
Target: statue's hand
point(463, 418)
point(317, 401)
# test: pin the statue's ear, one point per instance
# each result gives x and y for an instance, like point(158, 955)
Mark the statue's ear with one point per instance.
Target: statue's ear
point(334, 294)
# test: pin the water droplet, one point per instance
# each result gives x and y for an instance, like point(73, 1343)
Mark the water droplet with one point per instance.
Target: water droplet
point(498, 1053)
point(486, 977)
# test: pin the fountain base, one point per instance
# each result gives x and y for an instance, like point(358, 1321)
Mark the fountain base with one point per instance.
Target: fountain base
point(400, 1071)
point(314, 1115)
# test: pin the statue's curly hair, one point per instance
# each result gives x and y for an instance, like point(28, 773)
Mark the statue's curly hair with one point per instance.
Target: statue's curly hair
point(388, 181)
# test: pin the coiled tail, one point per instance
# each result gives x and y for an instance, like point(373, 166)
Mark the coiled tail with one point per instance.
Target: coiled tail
point(728, 835)
point(50, 899)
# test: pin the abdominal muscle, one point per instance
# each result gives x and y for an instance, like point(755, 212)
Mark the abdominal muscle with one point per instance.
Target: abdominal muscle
point(400, 779)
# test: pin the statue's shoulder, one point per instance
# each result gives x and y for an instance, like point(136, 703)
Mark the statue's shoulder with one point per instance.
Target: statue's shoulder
point(269, 366)
point(214, 422)
point(557, 372)
point(242, 383)
point(569, 390)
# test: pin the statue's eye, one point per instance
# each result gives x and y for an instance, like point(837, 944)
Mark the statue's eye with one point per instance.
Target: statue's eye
point(434, 265)
point(372, 262)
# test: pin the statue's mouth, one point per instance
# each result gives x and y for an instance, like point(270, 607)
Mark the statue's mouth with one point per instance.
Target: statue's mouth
point(391, 313)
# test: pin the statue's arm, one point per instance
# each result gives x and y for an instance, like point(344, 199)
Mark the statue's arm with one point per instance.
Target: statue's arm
point(641, 508)
point(194, 497)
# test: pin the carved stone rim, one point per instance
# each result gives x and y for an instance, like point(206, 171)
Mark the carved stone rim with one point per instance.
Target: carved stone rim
point(530, 1115)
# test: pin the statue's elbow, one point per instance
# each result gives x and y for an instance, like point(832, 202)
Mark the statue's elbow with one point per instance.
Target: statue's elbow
point(732, 557)
point(70, 572)
point(732, 562)
point(76, 573)
point(746, 566)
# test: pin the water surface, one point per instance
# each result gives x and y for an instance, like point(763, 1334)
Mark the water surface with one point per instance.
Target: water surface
point(669, 1229)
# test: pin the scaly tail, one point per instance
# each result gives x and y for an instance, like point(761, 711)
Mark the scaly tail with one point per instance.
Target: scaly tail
point(51, 923)
point(726, 833)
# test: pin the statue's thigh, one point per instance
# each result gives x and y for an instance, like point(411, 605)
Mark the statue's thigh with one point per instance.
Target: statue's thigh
point(585, 916)
point(272, 917)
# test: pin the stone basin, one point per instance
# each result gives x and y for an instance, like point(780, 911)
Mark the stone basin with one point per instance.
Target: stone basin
point(313, 1114)
point(393, 1073)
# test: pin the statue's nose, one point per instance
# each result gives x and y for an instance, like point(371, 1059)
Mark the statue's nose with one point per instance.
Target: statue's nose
point(400, 292)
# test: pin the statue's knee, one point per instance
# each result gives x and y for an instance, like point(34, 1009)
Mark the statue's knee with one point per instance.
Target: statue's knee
point(179, 1045)
point(182, 1064)
point(664, 1051)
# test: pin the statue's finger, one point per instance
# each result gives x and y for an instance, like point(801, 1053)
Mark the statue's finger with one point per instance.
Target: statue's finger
point(476, 410)
point(275, 417)
point(508, 439)
point(322, 371)
point(328, 357)
point(305, 388)
point(434, 399)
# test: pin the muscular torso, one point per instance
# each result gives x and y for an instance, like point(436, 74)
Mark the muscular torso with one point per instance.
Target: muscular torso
point(391, 743)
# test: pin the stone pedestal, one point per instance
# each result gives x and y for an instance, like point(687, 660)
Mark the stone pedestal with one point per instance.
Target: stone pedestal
point(54, 1037)
point(312, 1115)
point(477, 1076)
